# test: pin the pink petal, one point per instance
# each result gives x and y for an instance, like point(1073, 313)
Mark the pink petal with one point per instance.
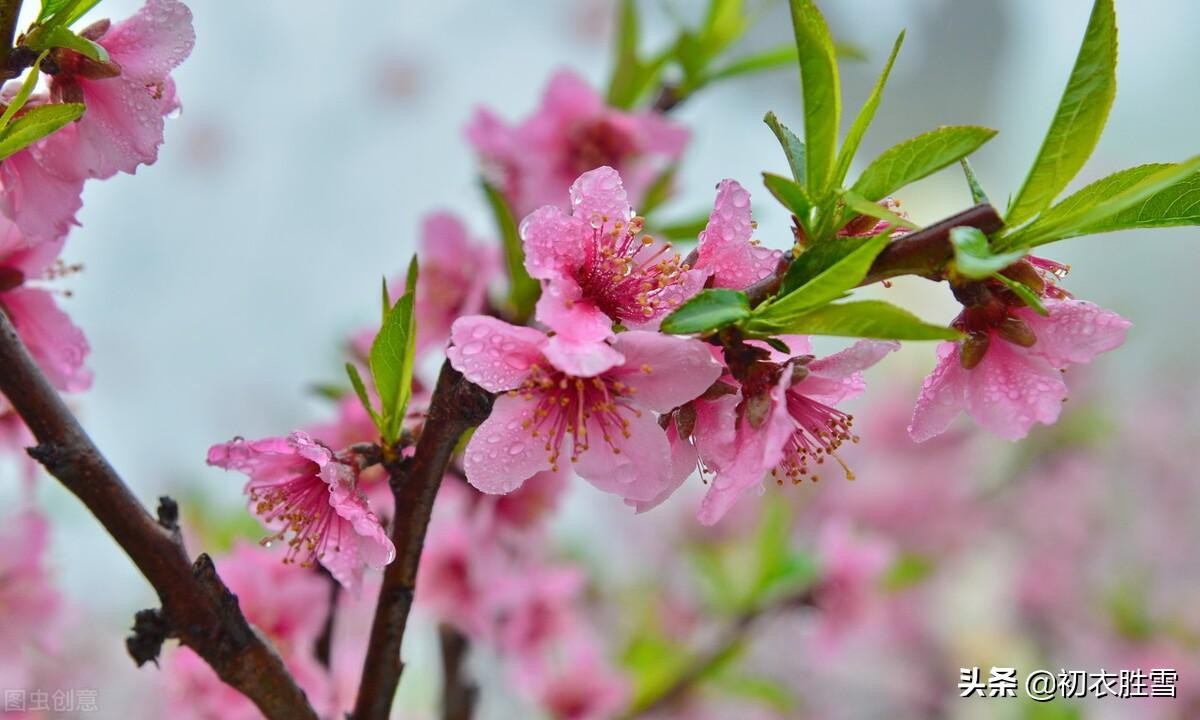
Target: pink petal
point(151, 43)
point(1075, 331)
point(637, 467)
point(943, 396)
point(563, 309)
point(725, 247)
point(684, 461)
point(756, 450)
point(122, 128)
point(568, 96)
point(716, 430)
point(444, 241)
point(836, 378)
point(493, 354)
point(581, 359)
point(33, 260)
point(1011, 389)
point(57, 345)
point(490, 136)
point(40, 201)
point(664, 371)
point(374, 545)
point(598, 198)
point(554, 242)
point(661, 136)
point(503, 454)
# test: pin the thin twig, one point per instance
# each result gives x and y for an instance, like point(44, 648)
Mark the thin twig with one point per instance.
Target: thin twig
point(324, 646)
point(10, 11)
point(197, 608)
point(456, 406)
point(459, 692)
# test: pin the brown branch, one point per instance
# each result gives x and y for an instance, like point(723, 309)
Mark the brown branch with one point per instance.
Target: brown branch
point(459, 693)
point(324, 646)
point(197, 608)
point(457, 405)
point(10, 12)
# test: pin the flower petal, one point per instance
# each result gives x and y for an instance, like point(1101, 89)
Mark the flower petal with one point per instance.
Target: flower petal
point(1011, 389)
point(943, 396)
point(838, 377)
point(725, 248)
point(503, 453)
point(152, 42)
point(1075, 331)
point(664, 371)
point(637, 467)
point(554, 242)
point(598, 198)
point(683, 463)
point(492, 353)
point(57, 345)
point(581, 359)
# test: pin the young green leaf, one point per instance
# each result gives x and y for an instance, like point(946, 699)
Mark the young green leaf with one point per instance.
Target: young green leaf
point(1028, 296)
point(792, 146)
point(1143, 196)
point(659, 190)
point(978, 196)
point(1079, 119)
point(627, 77)
point(391, 360)
point(791, 195)
point(685, 230)
point(18, 101)
point(864, 118)
point(973, 259)
point(360, 389)
point(822, 93)
point(62, 13)
point(863, 206)
point(523, 290)
point(59, 36)
point(709, 310)
point(862, 318)
point(918, 157)
point(826, 286)
point(35, 124)
point(816, 259)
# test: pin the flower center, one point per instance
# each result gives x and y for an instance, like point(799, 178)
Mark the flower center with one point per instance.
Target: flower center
point(594, 143)
point(820, 431)
point(630, 277)
point(11, 278)
point(298, 507)
point(569, 408)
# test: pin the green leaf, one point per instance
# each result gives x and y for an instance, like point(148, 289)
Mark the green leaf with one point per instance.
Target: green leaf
point(792, 146)
point(59, 36)
point(35, 124)
point(780, 57)
point(1079, 120)
point(908, 570)
point(978, 196)
point(918, 157)
point(360, 389)
point(392, 358)
point(864, 118)
point(18, 101)
point(973, 259)
point(659, 190)
point(1143, 196)
point(863, 206)
point(761, 690)
point(830, 284)
point(626, 82)
point(863, 318)
point(64, 12)
point(791, 195)
point(523, 290)
point(817, 258)
point(822, 93)
point(708, 310)
point(1028, 296)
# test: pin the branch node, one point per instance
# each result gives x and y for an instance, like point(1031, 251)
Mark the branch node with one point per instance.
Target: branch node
point(168, 513)
point(150, 630)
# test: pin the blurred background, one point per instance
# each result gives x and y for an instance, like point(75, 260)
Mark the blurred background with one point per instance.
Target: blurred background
point(220, 283)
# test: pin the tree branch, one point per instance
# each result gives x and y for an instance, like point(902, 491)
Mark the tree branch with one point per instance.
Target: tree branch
point(457, 405)
point(924, 252)
point(10, 11)
point(459, 693)
point(197, 608)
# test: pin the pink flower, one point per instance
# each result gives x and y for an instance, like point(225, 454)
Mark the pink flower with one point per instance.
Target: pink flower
point(601, 419)
point(30, 604)
point(597, 269)
point(583, 687)
point(535, 609)
point(573, 132)
point(726, 249)
point(460, 564)
point(127, 99)
point(525, 507)
point(1018, 379)
point(786, 423)
point(851, 568)
point(288, 607)
point(298, 488)
point(39, 192)
point(57, 345)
